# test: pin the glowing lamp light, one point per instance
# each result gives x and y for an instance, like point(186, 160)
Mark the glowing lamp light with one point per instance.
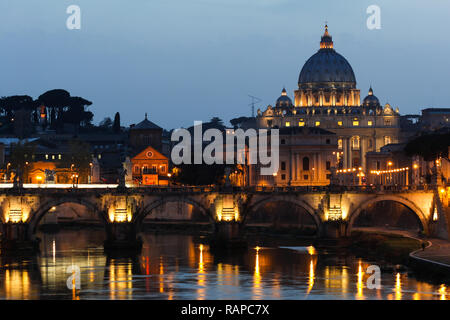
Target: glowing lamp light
point(311, 250)
point(435, 214)
point(111, 216)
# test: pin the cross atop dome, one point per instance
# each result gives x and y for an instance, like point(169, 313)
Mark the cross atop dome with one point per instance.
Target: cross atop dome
point(326, 41)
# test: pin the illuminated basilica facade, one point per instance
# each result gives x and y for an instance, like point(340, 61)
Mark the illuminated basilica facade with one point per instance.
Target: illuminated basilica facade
point(327, 98)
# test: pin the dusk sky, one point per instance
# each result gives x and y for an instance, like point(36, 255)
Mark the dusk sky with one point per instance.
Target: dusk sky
point(181, 60)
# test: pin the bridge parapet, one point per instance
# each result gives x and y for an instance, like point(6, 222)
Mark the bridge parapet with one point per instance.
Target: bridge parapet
point(123, 210)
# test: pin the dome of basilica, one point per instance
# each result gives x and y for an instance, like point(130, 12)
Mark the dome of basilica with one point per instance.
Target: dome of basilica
point(283, 101)
point(327, 66)
point(371, 100)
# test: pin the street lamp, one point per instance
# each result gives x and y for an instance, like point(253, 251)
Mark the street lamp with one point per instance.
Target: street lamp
point(390, 174)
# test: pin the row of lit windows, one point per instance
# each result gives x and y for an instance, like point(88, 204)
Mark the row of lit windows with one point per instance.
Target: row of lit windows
point(53, 157)
point(317, 123)
point(144, 168)
point(355, 142)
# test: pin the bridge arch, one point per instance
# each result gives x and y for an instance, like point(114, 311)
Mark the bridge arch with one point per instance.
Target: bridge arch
point(297, 202)
point(407, 203)
point(43, 209)
point(149, 208)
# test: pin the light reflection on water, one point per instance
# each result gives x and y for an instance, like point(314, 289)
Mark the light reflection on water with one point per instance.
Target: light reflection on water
point(180, 267)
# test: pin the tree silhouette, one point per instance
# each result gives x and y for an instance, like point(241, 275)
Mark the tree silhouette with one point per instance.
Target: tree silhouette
point(236, 122)
point(10, 105)
point(57, 100)
point(53, 119)
point(106, 123)
point(429, 146)
point(75, 113)
point(116, 125)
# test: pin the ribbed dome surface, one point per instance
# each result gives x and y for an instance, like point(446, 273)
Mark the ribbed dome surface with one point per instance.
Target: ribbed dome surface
point(326, 66)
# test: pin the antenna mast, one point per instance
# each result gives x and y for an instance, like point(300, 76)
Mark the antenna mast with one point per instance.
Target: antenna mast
point(254, 100)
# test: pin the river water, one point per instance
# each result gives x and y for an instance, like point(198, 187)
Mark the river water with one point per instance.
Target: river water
point(182, 267)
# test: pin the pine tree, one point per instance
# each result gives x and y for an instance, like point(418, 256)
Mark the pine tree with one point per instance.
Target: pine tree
point(116, 125)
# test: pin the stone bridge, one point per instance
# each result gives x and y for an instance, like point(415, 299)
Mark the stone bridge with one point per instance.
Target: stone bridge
point(122, 211)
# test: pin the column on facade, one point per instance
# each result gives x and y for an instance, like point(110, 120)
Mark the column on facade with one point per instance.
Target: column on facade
point(291, 167)
point(345, 155)
point(362, 150)
point(349, 153)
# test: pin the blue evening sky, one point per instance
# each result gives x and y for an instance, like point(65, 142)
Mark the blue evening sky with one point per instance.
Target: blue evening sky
point(186, 60)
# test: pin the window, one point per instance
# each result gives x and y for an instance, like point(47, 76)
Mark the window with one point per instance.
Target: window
point(355, 143)
point(328, 165)
point(283, 165)
point(301, 124)
point(283, 177)
point(387, 140)
point(269, 123)
point(369, 123)
point(328, 141)
point(136, 169)
point(283, 141)
point(305, 163)
point(355, 123)
point(340, 123)
point(288, 124)
point(59, 156)
point(163, 168)
point(387, 122)
point(46, 156)
point(317, 123)
point(339, 143)
point(53, 157)
point(305, 177)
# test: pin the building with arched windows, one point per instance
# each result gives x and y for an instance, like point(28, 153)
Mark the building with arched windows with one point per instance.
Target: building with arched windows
point(328, 98)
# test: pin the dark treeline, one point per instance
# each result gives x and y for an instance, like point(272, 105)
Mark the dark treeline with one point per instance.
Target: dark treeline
point(55, 110)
